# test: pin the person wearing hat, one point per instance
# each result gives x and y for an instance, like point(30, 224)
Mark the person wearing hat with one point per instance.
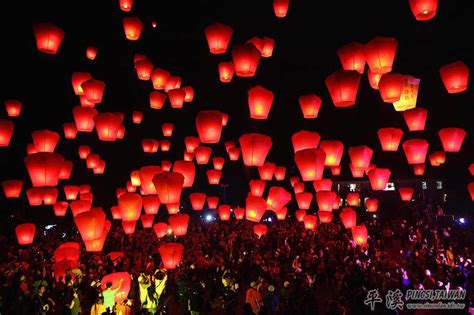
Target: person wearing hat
point(270, 302)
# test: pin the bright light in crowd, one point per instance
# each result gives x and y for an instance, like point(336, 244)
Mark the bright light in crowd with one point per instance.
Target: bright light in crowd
point(208, 217)
point(462, 220)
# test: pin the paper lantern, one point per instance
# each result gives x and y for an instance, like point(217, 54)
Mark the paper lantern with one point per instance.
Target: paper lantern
point(325, 200)
point(191, 143)
point(126, 6)
point(188, 156)
point(452, 138)
point(305, 140)
point(12, 188)
point(218, 37)
point(6, 131)
point(310, 222)
point(161, 229)
point(423, 10)
point(84, 151)
point(416, 118)
point(35, 196)
point(455, 76)
point(353, 199)
point(167, 129)
point(310, 163)
point(202, 154)
point(374, 79)
point(246, 58)
point(415, 150)
point(150, 145)
point(378, 178)
point(48, 37)
point(310, 105)
point(322, 185)
point(409, 94)
point(390, 87)
point(335, 170)
point(406, 193)
point(255, 148)
point(172, 208)
point(130, 206)
point(80, 206)
point(176, 97)
point(165, 145)
point(325, 216)
point(91, 52)
point(144, 67)
point(342, 86)
point(225, 119)
point(279, 173)
point(300, 214)
point(159, 78)
point(188, 93)
point(90, 224)
point(147, 220)
point(171, 254)
point(30, 149)
point(360, 156)
point(77, 78)
point(277, 198)
point(380, 53)
point(101, 168)
point(390, 138)
point(50, 195)
point(239, 213)
point(267, 47)
point(348, 217)
point(67, 251)
point(179, 224)
point(168, 186)
point(197, 201)
point(71, 192)
point(84, 118)
point(470, 188)
point(260, 102)
point(209, 126)
point(212, 202)
point(60, 208)
point(266, 171)
point(234, 154)
point(226, 71)
point(257, 187)
point(260, 230)
point(337, 203)
point(45, 140)
point(13, 107)
point(437, 158)
point(471, 169)
point(70, 130)
point(44, 168)
point(334, 150)
point(357, 172)
point(352, 57)
point(419, 169)
point(157, 99)
point(280, 7)
point(107, 125)
point(298, 187)
point(151, 204)
point(304, 200)
point(254, 208)
point(224, 212)
point(218, 163)
point(228, 145)
point(25, 233)
point(214, 177)
point(129, 227)
point(84, 189)
point(359, 234)
point(132, 27)
point(93, 90)
point(372, 204)
point(187, 169)
point(280, 214)
point(92, 160)
point(97, 244)
point(174, 83)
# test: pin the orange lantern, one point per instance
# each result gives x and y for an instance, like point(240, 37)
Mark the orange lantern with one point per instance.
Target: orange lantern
point(352, 57)
point(380, 53)
point(390, 87)
point(266, 170)
point(300, 214)
point(50, 196)
point(452, 138)
point(218, 163)
point(281, 7)
point(325, 200)
point(333, 150)
point(260, 102)
point(147, 220)
point(257, 187)
point(281, 214)
point(130, 206)
point(191, 143)
point(129, 227)
point(409, 94)
point(44, 168)
point(325, 216)
point(372, 204)
point(390, 138)
point(168, 186)
point(374, 79)
point(12, 188)
point(226, 71)
point(202, 154)
point(157, 99)
point(13, 107)
point(159, 77)
point(304, 200)
point(356, 171)
point(91, 52)
point(25, 233)
point(188, 156)
point(239, 213)
point(359, 234)
point(255, 208)
point(84, 151)
point(416, 118)
point(214, 177)
point(79, 206)
point(277, 198)
point(151, 204)
point(310, 222)
point(77, 78)
point(255, 148)
point(353, 199)
point(179, 224)
point(171, 254)
point(172, 208)
point(45, 140)
point(310, 163)
point(84, 118)
point(260, 229)
point(209, 126)
point(378, 178)
point(48, 37)
point(92, 161)
point(305, 140)
point(167, 129)
point(197, 201)
point(342, 86)
point(70, 130)
point(246, 58)
point(406, 193)
point(360, 156)
point(348, 217)
point(218, 37)
point(144, 67)
point(212, 202)
point(415, 150)
point(90, 224)
point(280, 172)
point(126, 6)
point(423, 10)
point(6, 131)
point(60, 208)
point(310, 105)
point(335, 170)
point(455, 76)
point(224, 212)
point(133, 27)
point(187, 169)
point(107, 125)
point(234, 154)
point(419, 169)
point(161, 229)
point(165, 145)
point(93, 90)
point(322, 185)
point(150, 145)
point(71, 192)
point(298, 187)
point(176, 97)
point(437, 158)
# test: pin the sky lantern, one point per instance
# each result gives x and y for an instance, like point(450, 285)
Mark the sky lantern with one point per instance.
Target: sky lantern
point(172, 208)
point(173, 83)
point(348, 217)
point(85, 102)
point(239, 213)
point(343, 86)
point(137, 117)
point(130, 206)
point(92, 160)
point(191, 143)
point(234, 153)
point(71, 192)
point(352, 57)
point(470, 188)
point(409, 94)
point(337, 203)
point(188, 93)
point(25, 233)
point(423, 10)
point(280, 172)
point(378, 178)
point(260, 229)
point(135, 178)
point(107, 125)
point(179, 224)
point(257, 42)
point(324, 184)
point(125, 6)
point(93, 90)
point(228, 145)
point(48, 37)
point(214, 177)
point(129, 227)
point(353, 199)
point(335, 170)
point(267, 47)
point(224, 212)
point(176, 97)
point(12, 188)
point(98, 244)
point(360, 156)
point(13, 107)
point(212, 202)
point(159, 78)
point(91, 52)
point(280, 7)
point(84, 189)
point(146, 176)
point(226, 71)
point(35, 196)
point(305, 140)
point(168, 186)
point(157, 99)
point(218, 37)
point(257, 187)
point(225, 119)
point(390, 87)
point(325, 216)
point(310, 222)
point(44, 168)
point(255, 208)
point(209, 126)
point(415, 150)
point(437, 158)
point(45, 140)
point(298, 187)
point(202, 154)
point(77, 78)
point(150, 145)
point(151, 204)
point(281, 214)
point(167, 129)
point(374, 79)
point(452, 138)
point(266, 170)
point(50, 195)
point(147, 220)
point(130, 187)
point(67, 251)
point(66, 170)
point(304, 200)
point(70, 130)
point(245, 58)
point(471, 169)
point(188, 156)
point(79, 206)
point(90, 224)
point(416, 118)
point(325, 200)
point(197, 201)
point(255, 148)
point(132, 26)
point(455, 76)
point(30, 149)
point(161, 229)
point(356, 172)
point(260, 102)
point(144, 67)
point(310, 163)
point(277, 198)
point(390, 138)
point(300, 214)
point(187, 169)
point(359, 234)
point(171, 254)
point(84, 118)
point(380, 53)
point(6, 131)
point(372, 204)
point(165, 145)
point(310, 105)
point(419, 169)
point(406, 193)
point(218, 162)
point(88, 196)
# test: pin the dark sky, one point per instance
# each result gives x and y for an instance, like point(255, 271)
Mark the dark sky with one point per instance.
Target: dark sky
point(304, 54)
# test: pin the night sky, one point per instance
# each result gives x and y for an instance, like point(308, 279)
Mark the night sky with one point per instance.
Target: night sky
point(306, 42)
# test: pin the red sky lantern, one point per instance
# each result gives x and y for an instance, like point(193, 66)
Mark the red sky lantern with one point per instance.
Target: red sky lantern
point(360, 156)
point(12, 188)
point(50, 195)
point(209, 126)
point(470, 188)
point(280, 172)
point(144, 67)
point(266, 170)
point(419, 169)
point(25, 233)
point(44, 168)
point(187, 169)
point(348, 217)
point(343, 86)
point(150, 145)
point(310, 163)
point(239, 213)
point(280, 7)
point(390, 87)
point(246, 58)
point(305, 140)
point(159, 78)
point(107, 125)
point(260, 230)
point(267, 47)
point(157, 99)
point(310, 105)
point(352, 57)
point(335, 170)
point(234, 154)
point(71, 192)
point(390, 138)
point(452, 138)
point(225, 119)
point(60, 208)
point(372, 204)
point(45, 140)
point(100, 168)
point(146, 176)
point(226, 71)
point(257, 187)
point(337, 203)
point(214, 177)
point(172, 208)
point(174, 82)
point(277, 198)
point(35, 196)
point(353, 199)
point(135, 178)
point(137, 117)
point(228, 145)
point(161, 229)
point(260, 102)
point(121, 132)
point(416, 118)
point(357, 172)
point(304, 200)
point(125, 6)
point(224, 212)
point(197, 201)
point(176, 97)
point(179, 224)
point(255, 148)
point(325, 216)
point(84, 189)
point(281, 214)
point(409, 95)
point(455, 77)
point(130, 206)
point(298, 187)
point(202, 154)
point(212, 202)
point(322, 185)
point(129, 227)
point(93, 90)
point(84, 151)
point(471, 169)
point(325, 200)
point(406, 193)
point(66, 170)
point(151, 204)
point(257, 42)
point(171, 254)
point(84, 118)
point(147, 220)
point(415, 150)
point(30, 149)
point(254, 208)
point(374, 79)
point(359, 234)
point(378, 178)
point(437, 158)
point(98, 244)
point(191, 143)
point(91, 52)
point(133, 27)
point(77, 78)
point(13, 107)
point(92, 160)
point(90, 224)
point(423, 10)
point(70, 130)
point(6, 131)
point(167, 129)
point(218, 163)
point(218, 37)
point(168, 186)
point(85, 102)
point(188, 93)
point(300, 214)
point(310, 222)
point(165, 145)
point(48, 37)
point(380, 53)
point(80, 206)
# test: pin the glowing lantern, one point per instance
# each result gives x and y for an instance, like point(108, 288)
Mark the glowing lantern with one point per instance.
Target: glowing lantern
point(218, 163)
point(234, 154)
point(25, 233)
point(161, 229)
point(12, 188)
point(280, 172)
point(322, 185)
point(225, 119)
point(79, 206)
point(146, 176)
point(255, 148)
point(260, 229)
point(333, 150)
point(374, 79)
point(281, 7)
point(455, 77)
point(100, 168)
point(90, 224)
point(390, 138)
point(378, 178)
point(310, 163)
point(50, 196)
point(356, 171)
point(45, 140)
point(165, 145)
point(406, 193)
point(191, 143)
point(218, 37)
point(416, 118)
point(97, 244)
point(300, 214)
point(298, 187)
point(266, 171)
point(310, 105)
point(150, 145)
point(151, 204)
point(176, 97)
point(167, 129)
point(93, 90)
point(255, 208)
point(239, 213)
point(325, 200)
point(224, 212)
point(260, 102)
point(44, 168)
point(257, 187)
point(359, 234)
point(48, 37)
point(91, 52)
point(415, 150)
point(353, 199)
point(304, 200)
point(130, 206)
point(409, 94)
point(277, 198)
point(360, 156)
point(380, 53)
point(179, 224)
point(343, 86)
point(144, 67)
point(372, 204)
point(212, 202)
point(188, 170)
point(157, 99)
point(335, 170)
point(132, 27)
point(147, 220)
point(423, 10)
point(92, 161)
point(159, 77)
point(214, 177)
point(197, 201)
point(67, 251)
point(84, 189)
point(352, 57)
point(226, 71)
point(129, 227)
point(419, 169)
point(470, 188)
point(126, 6)
point(202, 154)
point(30, 149)
point(71, 192)
point(305, 140)
point(452, 138)
point(84, 118)
point(209, 126)
point(267, 47)
point(471, 169)
point(70, 130)
point(246, 58)
point(77, 78)
point(337, 203)
point(171, 254)
point(13, 107)
point(348, 217)
point(172, 208)
point(168, 186)
point(107, 125)
point(437, 158)
point(325, 216)
point(188, 156)
point(390, 87)
point(281, 214)
point(35, 196)
point(310, 222)
point(6, 131)
point(60, 208)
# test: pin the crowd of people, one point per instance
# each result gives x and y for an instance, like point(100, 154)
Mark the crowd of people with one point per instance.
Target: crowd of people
point(227, 269)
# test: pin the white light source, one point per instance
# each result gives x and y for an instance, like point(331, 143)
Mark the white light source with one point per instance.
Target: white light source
point(208, 217)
